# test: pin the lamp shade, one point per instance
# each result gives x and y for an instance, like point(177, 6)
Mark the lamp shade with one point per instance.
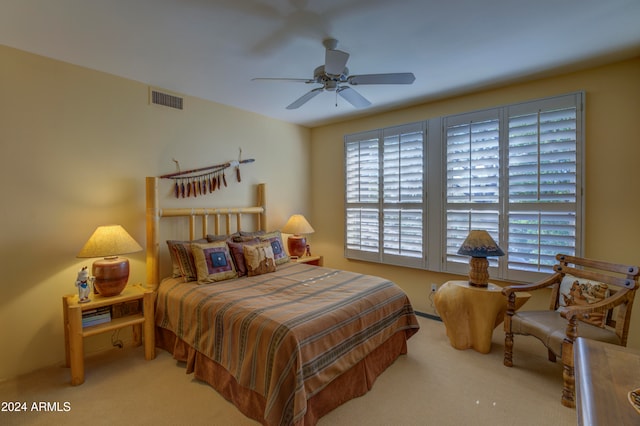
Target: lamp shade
point(111, 273)
point(297, 224)
point(109, 240)
point(480, 244)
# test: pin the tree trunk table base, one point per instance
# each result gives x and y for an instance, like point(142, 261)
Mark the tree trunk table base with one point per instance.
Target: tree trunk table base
point(470, 314)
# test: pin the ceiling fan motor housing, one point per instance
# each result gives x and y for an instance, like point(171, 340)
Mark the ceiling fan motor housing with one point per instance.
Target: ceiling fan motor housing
point(329, 81)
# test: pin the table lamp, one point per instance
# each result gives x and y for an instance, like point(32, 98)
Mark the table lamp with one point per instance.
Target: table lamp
point(297, 225)
point(111, 273)
point(479, 245)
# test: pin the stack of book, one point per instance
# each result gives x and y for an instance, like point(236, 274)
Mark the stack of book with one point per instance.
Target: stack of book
point(96, 316)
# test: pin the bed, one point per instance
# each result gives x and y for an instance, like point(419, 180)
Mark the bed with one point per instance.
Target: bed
point(286, 342)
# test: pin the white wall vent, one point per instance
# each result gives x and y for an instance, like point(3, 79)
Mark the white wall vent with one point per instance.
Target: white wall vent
point(165, 99)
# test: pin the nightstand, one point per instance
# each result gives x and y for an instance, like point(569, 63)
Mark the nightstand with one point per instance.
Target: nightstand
point(74, 333)
point(309, 260)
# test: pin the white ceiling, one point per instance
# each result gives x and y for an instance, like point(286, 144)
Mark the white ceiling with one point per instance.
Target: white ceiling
point(213, 48)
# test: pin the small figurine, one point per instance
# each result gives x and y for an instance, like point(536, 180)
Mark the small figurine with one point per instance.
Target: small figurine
point(84, 283)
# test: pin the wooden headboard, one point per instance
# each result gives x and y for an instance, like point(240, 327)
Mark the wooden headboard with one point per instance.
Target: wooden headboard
point(223, 220)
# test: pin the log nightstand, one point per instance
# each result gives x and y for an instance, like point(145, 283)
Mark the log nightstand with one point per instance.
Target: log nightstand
point(74, 333)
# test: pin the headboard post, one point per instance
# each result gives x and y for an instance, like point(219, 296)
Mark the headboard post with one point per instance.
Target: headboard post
point(153, 223)
point(262, 202)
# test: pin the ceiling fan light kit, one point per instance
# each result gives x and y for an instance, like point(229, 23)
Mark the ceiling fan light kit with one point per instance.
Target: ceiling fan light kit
point(334, 77)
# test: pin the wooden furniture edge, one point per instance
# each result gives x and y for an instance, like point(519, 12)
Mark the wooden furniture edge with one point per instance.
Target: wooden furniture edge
point(74, 333)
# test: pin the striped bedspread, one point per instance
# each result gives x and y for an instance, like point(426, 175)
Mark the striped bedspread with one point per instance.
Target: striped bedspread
point(286, 334)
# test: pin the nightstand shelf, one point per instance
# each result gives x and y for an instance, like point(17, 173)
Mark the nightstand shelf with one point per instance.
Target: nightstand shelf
point(74, 332)
point(309, 260)
point(114, 324)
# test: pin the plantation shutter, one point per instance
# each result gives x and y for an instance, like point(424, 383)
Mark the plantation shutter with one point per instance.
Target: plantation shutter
point(543, 173)
point(384, 181)
point(403, 194)
point(362, 176)
point(515, 171)
point(472, 198)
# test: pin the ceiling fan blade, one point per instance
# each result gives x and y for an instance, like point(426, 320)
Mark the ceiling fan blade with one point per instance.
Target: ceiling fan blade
point(305, 98)
point(335, 61)
point(295, 80)
point(392, 78)
point(353, 97)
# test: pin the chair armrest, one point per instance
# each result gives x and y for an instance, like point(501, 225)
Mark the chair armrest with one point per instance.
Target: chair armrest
point(555, 278)
point(510, 291)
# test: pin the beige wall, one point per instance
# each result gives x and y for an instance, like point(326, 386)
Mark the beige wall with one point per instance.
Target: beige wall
point(612, 182)
point(76, 145)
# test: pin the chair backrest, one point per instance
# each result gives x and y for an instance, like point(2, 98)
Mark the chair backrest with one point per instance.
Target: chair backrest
point(618, 277)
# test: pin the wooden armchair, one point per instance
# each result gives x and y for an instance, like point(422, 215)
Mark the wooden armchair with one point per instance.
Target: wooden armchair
point(576, 280)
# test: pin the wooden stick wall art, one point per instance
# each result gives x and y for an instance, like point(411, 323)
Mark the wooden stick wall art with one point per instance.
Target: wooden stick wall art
point(191, 183)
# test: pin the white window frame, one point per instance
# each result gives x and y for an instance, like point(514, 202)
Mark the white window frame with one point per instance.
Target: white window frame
point(382, 247)
point(435, 203)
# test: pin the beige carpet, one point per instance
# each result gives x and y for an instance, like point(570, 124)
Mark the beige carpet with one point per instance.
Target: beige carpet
point(434, 384)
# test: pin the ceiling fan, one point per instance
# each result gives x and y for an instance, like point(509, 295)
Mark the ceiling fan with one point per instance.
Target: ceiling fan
point(334, 77)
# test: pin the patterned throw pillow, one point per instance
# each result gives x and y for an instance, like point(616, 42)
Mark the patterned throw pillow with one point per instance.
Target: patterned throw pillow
point(182, 261)
point(213, 262)
point(259, 259)
point(275, 239)
point(578, 291)
point(237, 254)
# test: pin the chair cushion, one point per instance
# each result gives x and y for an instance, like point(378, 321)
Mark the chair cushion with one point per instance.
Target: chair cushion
point(550, 328)
point(578, 291)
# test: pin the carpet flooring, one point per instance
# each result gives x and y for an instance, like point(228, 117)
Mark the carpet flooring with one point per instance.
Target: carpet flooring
point(434, 384)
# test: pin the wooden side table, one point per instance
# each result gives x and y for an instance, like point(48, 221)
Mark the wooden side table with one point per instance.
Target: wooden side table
point(74, 333)
point(310, 260)
point(470, 314)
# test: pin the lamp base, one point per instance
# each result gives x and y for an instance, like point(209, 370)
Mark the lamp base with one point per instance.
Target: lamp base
point(297, 245)
point(479, 272)
point(111, 275)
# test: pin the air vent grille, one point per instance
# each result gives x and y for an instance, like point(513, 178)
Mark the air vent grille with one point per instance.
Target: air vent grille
point(165, 99)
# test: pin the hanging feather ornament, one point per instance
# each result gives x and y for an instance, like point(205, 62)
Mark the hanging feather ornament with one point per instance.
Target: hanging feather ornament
point(187, 183)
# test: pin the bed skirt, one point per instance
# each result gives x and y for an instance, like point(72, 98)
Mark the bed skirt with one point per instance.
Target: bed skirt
point(355, 382)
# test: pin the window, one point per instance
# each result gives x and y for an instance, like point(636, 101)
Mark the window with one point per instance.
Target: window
point(472, 180)
point(544, 210)
point(385, 195)
point(515, 171)
point(528, 200)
